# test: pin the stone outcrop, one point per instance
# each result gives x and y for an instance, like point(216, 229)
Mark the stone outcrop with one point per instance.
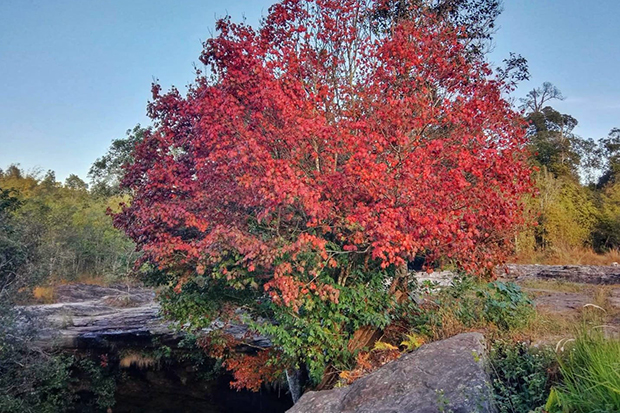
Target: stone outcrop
point(91, 316)
point(444, 376)
point(586, 274)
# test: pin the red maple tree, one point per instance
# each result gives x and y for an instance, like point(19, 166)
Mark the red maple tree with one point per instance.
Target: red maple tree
point(319, 143)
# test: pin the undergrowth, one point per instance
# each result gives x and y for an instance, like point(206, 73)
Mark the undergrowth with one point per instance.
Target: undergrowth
point(469, 304)
point(520, 375)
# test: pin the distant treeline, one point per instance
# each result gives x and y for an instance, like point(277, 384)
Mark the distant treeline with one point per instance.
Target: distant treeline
point(578, 182)
point(61, 231)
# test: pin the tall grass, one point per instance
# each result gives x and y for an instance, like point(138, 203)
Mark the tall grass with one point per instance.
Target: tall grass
point(565, 255)
point(590, 373)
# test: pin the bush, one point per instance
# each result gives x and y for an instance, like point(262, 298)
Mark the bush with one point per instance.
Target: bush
point(469, 303)
point(505, 305)
point(519, 376)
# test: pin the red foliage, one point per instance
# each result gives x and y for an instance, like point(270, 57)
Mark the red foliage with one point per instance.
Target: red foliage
point(250, 371)
point(320, 133)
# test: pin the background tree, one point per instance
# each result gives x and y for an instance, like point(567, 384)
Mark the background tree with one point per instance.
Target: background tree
point(320, 155)
point(536, 98)
point(607, 232)
point(74, 182)
point(570, 214)
point(69, 227)
point(30, 379)
point(107, 172)
point(610, 153)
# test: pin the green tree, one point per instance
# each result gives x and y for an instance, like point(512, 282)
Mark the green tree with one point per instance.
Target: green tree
point(610, 155)
point(553, 142)
point(30, 379)
point(70, 227)
point(107, 171)
point(76, 183)
point(565, 211)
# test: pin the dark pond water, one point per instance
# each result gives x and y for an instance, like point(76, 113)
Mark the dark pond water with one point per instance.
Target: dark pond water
point(179, 385)
point(163, 392)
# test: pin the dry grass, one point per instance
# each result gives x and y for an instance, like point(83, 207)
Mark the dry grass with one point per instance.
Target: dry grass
point(555, 285)
point(137, 360)
point(601, 297)
point(547, 327)
point(451, 326)
point(44, 295)
point(569, 256)
point(87, 279)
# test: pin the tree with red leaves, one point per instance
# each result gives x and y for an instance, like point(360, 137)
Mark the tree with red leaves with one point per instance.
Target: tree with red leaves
point(318, 155)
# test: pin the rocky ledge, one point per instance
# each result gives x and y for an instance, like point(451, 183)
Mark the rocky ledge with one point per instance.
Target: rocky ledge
point(90, 316)
point(583, 274)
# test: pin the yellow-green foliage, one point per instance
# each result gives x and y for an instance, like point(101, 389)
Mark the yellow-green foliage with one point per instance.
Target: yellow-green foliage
point(565, 212)
point(607, 233)
point(69, 225)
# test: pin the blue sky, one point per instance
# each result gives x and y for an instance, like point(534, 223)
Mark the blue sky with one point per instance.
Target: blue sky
point(75, 74)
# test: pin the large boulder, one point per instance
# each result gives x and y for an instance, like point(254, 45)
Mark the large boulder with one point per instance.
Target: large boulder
point(444, 376)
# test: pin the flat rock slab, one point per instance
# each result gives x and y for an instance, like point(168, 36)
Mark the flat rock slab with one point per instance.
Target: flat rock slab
point(444, 376)
point(91, 316)
point(614, 298)
point(77, 293)
point(558, 301)
point(585, 274)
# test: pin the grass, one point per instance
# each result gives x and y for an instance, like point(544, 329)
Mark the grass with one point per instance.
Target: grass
point(44, 295)
point(555, 285)
point(590, 371)
point(569, 256)
point(585, 370)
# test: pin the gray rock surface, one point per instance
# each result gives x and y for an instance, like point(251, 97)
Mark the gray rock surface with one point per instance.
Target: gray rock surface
point(91, 316)
point(444, 376)
point(587, 274)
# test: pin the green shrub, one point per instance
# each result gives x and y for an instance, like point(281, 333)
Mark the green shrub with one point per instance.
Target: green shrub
point(473, 304)
point(505, 305)
point(520, 376)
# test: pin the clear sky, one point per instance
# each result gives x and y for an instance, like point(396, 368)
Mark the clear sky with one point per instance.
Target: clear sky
point(75, 74)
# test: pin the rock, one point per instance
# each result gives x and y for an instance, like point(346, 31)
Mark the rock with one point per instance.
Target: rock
point(91, 316)
point(586, 274)
point(559, 301)
point(436, 278)
point(444, 376)
point(614, 298)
